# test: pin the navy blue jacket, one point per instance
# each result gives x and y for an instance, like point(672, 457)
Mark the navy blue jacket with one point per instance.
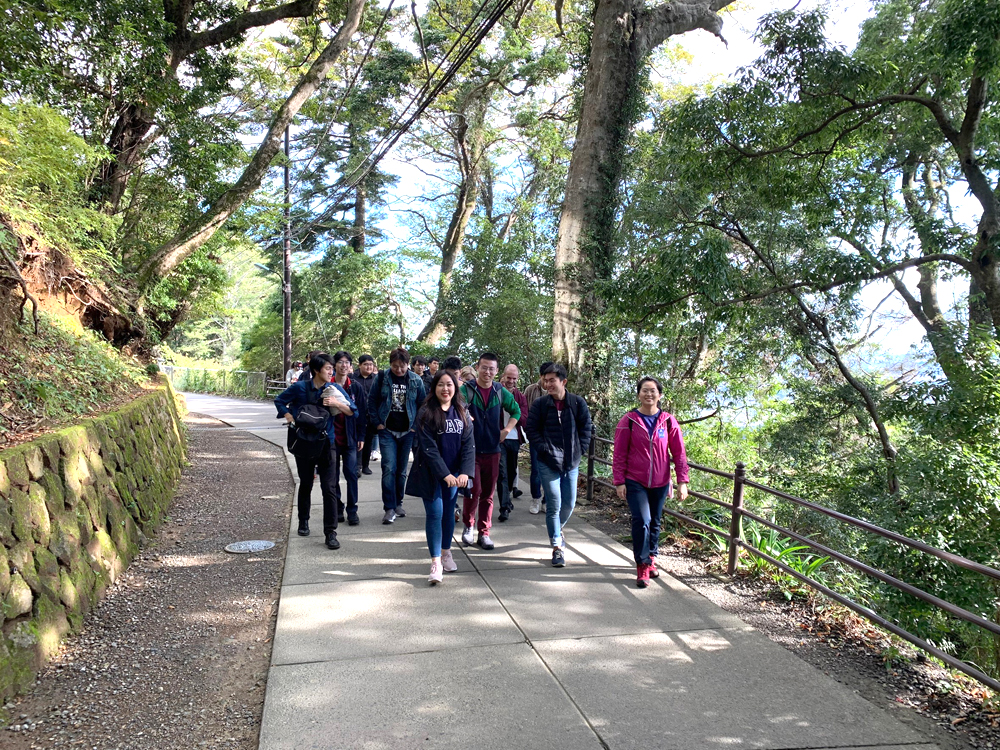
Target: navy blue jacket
point(380, 397)
point(429, 468)
point(303, 392)
point(355, 425)
point(488, 418)
point(559, 445)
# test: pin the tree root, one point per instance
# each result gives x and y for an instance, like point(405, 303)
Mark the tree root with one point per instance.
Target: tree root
point(28, 297)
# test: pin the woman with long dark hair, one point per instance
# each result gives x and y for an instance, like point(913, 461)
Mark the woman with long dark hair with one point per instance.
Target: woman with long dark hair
point(446, 459)
point(645, 441)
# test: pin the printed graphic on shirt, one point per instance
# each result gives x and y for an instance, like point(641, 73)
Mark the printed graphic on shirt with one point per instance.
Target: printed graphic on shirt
point(453, 426)
point(398, 402)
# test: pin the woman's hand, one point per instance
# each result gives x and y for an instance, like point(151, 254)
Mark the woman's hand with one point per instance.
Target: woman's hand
point(289, 418)
point(620, 489)
point(451, 480)
point(463, 481)
point(682, 492)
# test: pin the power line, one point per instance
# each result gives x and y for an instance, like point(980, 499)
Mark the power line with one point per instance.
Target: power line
point(395, 132)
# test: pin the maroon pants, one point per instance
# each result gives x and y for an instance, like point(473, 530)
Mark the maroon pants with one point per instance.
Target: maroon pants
point(485, 481)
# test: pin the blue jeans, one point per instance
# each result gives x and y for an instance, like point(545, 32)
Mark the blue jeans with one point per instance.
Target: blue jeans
point(535, 481)
point(348, 456)
point(646, 506)
point(440, 524)
point(395, 460)
point(560, 499)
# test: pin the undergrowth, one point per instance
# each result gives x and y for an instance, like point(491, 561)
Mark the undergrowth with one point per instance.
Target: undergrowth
point(63, 373)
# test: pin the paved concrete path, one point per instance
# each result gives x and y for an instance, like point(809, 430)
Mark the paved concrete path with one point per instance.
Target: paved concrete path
point(511, 653)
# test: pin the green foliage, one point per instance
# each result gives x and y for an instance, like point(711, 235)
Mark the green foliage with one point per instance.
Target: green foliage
point(44, 169)
point(63, 373)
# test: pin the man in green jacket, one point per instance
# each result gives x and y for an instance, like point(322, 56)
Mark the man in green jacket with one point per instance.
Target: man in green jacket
point(486, 402)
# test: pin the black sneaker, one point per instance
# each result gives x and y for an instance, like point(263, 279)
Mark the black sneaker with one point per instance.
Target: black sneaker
point(504, 515)
point(558, 559)
point(352, 519)
point(389, 517)
point(331, 540)
point(340, 517)
point(366, 471)
point(517, 492)
point(303, 528)
point(400, 513)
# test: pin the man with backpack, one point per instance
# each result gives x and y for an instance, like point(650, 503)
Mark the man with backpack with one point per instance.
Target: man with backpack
point(392, 407)
point(559, 428)
point(486, 402)
point(306, 406)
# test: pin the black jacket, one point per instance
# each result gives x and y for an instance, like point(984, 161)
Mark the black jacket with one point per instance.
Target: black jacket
point(560, 445)
point(429, 468)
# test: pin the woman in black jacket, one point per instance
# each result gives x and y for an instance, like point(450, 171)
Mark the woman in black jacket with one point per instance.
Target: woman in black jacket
point(446, 459)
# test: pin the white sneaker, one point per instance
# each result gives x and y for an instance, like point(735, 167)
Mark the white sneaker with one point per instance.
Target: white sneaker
point(485, 542)
point(448, 561)
point(536, 506)
point(376, 456)
point(435, 577)
point(467, 536)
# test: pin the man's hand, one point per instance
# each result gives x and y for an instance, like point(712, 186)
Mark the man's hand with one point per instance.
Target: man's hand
point(451, 480)
point(289, 418)
point(503, 434)
point(682, 491)
point(361, 444)
point(381, 427)
point(463, 481)
point(620, 489)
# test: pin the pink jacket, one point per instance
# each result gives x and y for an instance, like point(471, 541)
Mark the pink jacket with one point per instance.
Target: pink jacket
point(646, 459)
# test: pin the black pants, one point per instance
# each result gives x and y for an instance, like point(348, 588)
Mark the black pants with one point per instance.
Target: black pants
point(327, 479)
point(366, 452)
point(508, 473)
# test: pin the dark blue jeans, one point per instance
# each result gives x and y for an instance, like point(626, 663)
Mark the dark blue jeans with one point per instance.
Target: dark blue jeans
point(535, 481)
point(646, 506)
point(395, 448)
point(440, 525)
point(348, 456)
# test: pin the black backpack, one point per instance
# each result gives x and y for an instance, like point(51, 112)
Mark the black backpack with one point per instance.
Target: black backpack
point(308, 435)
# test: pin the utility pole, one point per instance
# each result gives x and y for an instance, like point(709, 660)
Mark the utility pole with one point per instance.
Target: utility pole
point(286, 286)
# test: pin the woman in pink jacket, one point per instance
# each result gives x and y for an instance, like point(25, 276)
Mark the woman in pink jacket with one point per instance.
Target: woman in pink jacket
point(646, 439)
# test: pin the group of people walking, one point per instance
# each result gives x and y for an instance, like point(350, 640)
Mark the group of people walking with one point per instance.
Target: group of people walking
point(465, 434)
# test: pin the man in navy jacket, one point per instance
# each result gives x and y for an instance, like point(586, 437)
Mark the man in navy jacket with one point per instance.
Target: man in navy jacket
point(559, 427)
point(348, 438)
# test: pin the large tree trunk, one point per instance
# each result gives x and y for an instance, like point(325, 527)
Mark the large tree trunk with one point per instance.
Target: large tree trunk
point(171, 254)
point(625, 31)
point(469, 144)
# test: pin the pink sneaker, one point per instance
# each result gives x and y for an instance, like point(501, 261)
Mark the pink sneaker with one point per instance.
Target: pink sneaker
point(448, 561)
point(642, 575)
point(653, 571)
point(435, 577)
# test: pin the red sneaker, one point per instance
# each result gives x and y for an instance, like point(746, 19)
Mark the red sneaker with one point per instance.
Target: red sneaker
point(642, 575)
point(653, 571)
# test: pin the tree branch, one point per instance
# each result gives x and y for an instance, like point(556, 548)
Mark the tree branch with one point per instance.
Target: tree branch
point(236, 26)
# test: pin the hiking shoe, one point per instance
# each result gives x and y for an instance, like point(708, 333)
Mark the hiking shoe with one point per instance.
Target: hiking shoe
point(467, 536)
point(536, 506)
point(389, 517)
point(435, 577)
point(653, 571)
point(485, 542)
point(516, 492)
point(448, 561)
point(340, 517)
point(331, 541)
point(366, 471)
point(400, 513)
point(504, 514)
point(352, 519)
point(558, 558)
point(303, 528)
point(641, 575)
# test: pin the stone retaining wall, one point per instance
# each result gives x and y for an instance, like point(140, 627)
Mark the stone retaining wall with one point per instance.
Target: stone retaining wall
point(74, 506)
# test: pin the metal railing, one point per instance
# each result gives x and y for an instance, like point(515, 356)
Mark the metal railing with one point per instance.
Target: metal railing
point(735, 540)
point(245, 383)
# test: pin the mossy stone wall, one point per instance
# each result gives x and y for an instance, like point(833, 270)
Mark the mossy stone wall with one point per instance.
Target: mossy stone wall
point(73, 506)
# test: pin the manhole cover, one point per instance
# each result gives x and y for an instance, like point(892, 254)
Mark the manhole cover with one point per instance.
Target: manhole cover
point(241, 548)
